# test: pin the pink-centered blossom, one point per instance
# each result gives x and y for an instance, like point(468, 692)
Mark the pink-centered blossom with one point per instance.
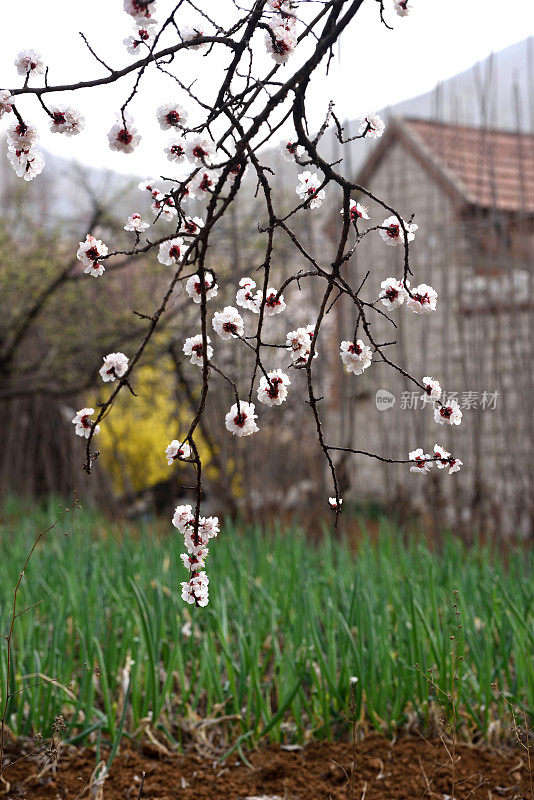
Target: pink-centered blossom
point(242, 421)
point(84, 424)
point(193, 287)
point(228, 323)
point(115, 366)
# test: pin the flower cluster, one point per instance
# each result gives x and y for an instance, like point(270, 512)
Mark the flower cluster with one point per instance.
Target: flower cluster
point(5, 103)
point(291, 151)
point(191, 34)
point(241, 419)
point(194, 348)
point(89, 253)
point(177, 451)
point(66, 120)
point(24, 157)
point(28, 62)
point(123, 136)
point(246, 298)
point(228, 323)
point(421, 299)
point(372, 126)
point(299, 344)
point(272, 390)
point(423, 462)
point(308, 189)
point(196, 538)
point(402, 7)
point(392, 232)
point(171, 116)
point(143, 36)
point(356, 356)
point(281, 38)
point(140, 9)
point(171, 252)
point(193, 288)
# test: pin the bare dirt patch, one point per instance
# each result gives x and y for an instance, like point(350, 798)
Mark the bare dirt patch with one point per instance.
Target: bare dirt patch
point(407, 769)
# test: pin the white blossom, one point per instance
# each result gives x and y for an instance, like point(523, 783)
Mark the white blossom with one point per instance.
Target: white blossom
point(191, 226)
point(140, 8)
point(21, 136)
point(245, 297)
point(228, 323)
point(195, 591)
point(444, 460)
point(334, 504)
point(238, 170)
point(183, 518)
point(209, 527)
point(66, 120)
point(202, 183)
point(177, 450)
point(423, 299)
point(356, 357)
point(422, 461)
point(27, 163)
point(280, 43)
point(89, 253)
point(299, 344)
point(372, 126)
point(273, 392)
point(171, 252)
point(193, 347)
point(144, 34)
point(123, 136)
point(115, 366)
point(402, 7)
point(171, 115)
point(200, 150)
point(193, 287)
point(135, 223)
point(163, 206)
point(84, 423)
point(280, 5)
point(356, 211)
point(432, 389)
point(175, 151)
point(393, 293)
point(273, 303)
point(195, 561)
point(190, 34)
point(448, 414)
point(308, 189)
point(149, 186)
point(242, 422)
point(5, 103)
point(291, 150)
point(392, 233)
point(29, 61)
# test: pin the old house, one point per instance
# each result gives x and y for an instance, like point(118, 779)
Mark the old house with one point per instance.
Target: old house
point(471, 192)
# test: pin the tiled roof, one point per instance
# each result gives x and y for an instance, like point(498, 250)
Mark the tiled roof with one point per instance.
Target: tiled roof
point(483, 167)
point(494, 168)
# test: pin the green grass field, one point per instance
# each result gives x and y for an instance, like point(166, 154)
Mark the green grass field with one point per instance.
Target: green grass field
point(288, 624)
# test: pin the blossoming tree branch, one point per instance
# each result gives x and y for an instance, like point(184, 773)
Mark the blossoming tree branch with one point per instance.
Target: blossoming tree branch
point(273, 51)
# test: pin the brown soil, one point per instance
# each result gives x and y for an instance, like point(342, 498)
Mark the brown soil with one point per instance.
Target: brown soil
point(408, 769)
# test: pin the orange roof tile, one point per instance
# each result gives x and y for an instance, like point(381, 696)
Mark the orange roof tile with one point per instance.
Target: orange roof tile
point(489, 168)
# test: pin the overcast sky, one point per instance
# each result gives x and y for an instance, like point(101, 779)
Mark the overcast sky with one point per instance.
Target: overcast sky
point(376, 67)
